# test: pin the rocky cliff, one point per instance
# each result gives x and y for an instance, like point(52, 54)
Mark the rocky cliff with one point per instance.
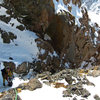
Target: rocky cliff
point(65, 32)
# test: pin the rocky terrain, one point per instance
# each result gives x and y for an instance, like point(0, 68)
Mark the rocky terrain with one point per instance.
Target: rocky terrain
point(75, 80)
point(56, 39)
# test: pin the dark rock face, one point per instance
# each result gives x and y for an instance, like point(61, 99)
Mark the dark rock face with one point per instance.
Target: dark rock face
point(73, 44)
point(35, 13)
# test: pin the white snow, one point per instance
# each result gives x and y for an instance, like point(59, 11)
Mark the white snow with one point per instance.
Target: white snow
point(67, 65)
point(26, 48)
point(51, 93)
point(3, 11)
point(15, 22)
point(17, 81)
point(88, 64)
point(93, 89)
point(96, 34)
point(94, 17)
point(55, 54)
point(93, 8)
point(45, 93)
point(42, 51)
point(76, 11)
point(83, 64)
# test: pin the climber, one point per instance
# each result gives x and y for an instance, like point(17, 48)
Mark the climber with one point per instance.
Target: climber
point(7, 74)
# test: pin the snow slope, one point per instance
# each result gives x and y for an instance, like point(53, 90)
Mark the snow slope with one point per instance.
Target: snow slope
point(93, 7)
point(21, 49)
point(51, 93)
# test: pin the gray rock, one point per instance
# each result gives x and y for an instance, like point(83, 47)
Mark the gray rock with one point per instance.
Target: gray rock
point(47, 83)
point(23, 68)
point(69, 79)
point(34, 84)
point(31, 85)
point(85, 93)
point(74, 98)
point(66, 94)
point(7, 97)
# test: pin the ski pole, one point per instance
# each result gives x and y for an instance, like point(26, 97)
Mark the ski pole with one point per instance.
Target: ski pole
point(16, 94)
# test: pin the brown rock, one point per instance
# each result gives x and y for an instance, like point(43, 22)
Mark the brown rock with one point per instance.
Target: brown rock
point(34, 84)
point(23, 68)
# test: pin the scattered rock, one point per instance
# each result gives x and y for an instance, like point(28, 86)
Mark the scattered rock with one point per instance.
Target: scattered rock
point(96, 73)
point(85, 93)
point(7, 97)
point(66, 94)
point(23, 86)
point(47, 83)
point(96, 97)
point(69, 79)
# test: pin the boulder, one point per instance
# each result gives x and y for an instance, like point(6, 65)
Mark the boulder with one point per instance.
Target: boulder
point(23, 68)
point(33, 84)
